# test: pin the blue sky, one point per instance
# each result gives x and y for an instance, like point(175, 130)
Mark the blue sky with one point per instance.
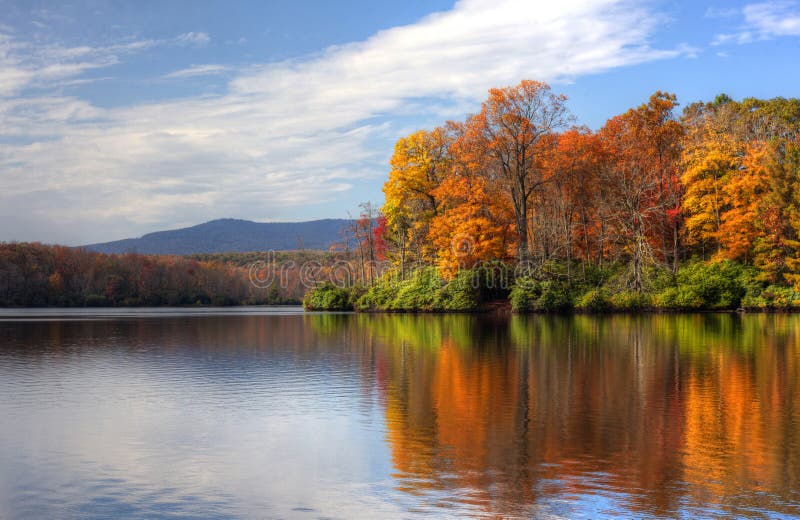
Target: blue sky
point(121, 118)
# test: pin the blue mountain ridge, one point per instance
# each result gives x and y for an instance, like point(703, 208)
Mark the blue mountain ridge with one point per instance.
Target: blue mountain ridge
point(230, 235)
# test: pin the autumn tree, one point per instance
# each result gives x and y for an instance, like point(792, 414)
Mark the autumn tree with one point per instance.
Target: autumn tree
point(784, 164)
point(711, 159)
point(741, 180)
point(662, 150)
point(418, 165)
point(638, 175)
point(473, 224)
point(572, 195)
point(512, 125)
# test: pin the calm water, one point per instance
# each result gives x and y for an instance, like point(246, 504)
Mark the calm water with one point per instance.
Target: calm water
point(276, 414)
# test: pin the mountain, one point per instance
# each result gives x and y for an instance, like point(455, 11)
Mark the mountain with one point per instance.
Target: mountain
point(232, 236)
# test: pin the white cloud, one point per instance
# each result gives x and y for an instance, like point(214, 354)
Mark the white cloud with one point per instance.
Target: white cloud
point(290, 134)
point(193, 38)
point(774, 18)
point(764, 21)
point(25, 65)
point(198, 70)
point(721, 12)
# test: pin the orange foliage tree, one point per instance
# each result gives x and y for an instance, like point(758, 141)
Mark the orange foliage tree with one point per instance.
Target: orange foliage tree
point(512, 128)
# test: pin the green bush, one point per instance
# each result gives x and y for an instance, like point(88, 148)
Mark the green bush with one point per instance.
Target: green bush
point(380, 295)
point(658, 278)
point(629, 301)
point(96, 300)
point(718, 284)
point(700, 285)
point(555, 297)
point(328, 297)
point(596, 300)
point(460, 294)
point(696, 286)
point(419, 291)
point(678, 298)
point(423, 290)
point(529, 294)
point(772, 298)
point(524, 294)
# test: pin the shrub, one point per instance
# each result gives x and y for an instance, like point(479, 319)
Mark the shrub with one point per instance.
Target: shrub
point(423, 290)
point(354, 295)
point(629, 301)
point(555, 297)
point(96, 300)
point(596, 276)
point(524, 294)
point(658, 278)
point(327, 297)
point(529, 294)
point(380, 295)
point(773, 298)
point(678, 298)
point(718, 285)
point(596, 300)
point(419, 291)
point(460, 294)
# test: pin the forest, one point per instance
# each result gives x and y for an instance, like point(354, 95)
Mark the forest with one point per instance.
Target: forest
point(36, 275)
point(658, 209)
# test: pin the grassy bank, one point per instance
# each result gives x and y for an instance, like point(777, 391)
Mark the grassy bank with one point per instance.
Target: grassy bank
point(697, 286)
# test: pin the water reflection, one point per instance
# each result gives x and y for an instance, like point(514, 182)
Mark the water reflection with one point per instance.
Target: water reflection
point(396, 415)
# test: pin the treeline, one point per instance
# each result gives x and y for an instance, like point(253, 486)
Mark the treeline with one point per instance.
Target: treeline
point(629, 213)
point(298, 257)
point(40, 275)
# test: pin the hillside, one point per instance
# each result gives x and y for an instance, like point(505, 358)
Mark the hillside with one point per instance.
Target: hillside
point(232, 236)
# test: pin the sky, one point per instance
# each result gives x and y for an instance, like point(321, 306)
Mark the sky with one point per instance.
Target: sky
point(119, 118)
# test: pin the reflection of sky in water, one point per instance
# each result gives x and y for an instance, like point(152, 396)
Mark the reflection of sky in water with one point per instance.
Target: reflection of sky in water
point(135, 430)
point(356, 416)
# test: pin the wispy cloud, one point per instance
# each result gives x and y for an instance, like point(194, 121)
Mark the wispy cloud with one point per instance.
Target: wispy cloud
point(289, 134)
point(722, 12)
point(25, 65)
point(764, 21)
point(193, 38)
point(198, 70)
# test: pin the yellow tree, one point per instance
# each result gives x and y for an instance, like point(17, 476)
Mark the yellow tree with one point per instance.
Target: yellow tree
point(762, 225)
point(777, 250)
point(418, 165)
point(791, 167)
point(711, 157)
point(745, 189)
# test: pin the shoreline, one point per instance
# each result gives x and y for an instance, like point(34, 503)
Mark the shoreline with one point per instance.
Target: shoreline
point(485, 309)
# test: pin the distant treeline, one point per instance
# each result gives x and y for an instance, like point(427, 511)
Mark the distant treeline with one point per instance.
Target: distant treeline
point(33, 274)
point(299, 257)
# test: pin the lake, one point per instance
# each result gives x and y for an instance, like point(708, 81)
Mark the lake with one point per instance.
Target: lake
point(272, 413)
